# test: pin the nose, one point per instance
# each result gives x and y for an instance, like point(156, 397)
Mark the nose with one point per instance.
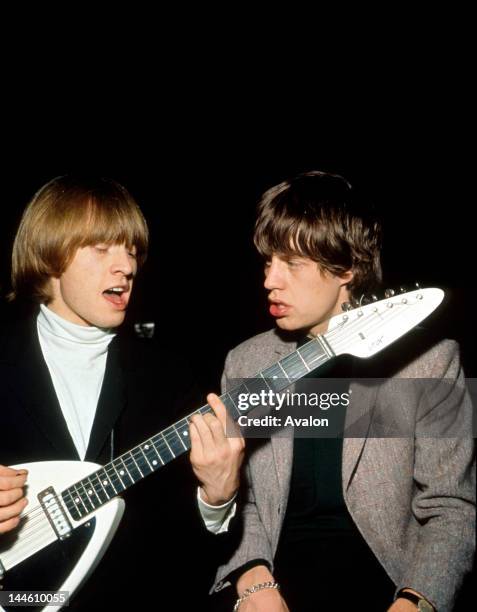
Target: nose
point(123, 262)
point(274, 274)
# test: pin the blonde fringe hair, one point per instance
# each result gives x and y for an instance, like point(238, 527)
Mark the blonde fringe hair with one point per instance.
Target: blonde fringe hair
point(66, 214)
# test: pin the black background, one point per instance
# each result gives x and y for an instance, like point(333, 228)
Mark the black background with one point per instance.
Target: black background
point(198, 188)
point(197, 139)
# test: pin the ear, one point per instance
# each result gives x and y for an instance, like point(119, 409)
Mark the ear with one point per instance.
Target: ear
point(346, 277)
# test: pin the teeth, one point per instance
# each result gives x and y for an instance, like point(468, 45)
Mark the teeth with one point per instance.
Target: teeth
point(117, 289)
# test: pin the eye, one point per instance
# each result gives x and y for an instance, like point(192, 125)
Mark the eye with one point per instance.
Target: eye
point(101, 248)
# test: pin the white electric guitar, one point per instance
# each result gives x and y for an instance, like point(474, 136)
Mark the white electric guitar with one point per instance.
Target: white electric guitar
point(74, 507)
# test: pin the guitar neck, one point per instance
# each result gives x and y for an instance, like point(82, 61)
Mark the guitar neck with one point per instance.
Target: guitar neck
point(87, 495)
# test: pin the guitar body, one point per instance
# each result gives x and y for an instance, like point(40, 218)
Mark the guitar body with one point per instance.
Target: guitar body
point(34, 557)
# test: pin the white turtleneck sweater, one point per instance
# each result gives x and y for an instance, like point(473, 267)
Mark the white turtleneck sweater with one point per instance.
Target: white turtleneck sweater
point(76, 358)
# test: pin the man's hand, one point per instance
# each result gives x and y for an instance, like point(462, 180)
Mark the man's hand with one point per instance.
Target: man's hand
point(215, 458)
point(266, 600)
point(12, 499)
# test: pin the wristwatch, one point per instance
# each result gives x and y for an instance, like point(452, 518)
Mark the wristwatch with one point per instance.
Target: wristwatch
point(422, 604)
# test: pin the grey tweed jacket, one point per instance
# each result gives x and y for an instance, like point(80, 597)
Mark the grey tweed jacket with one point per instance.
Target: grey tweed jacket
point(412, 498)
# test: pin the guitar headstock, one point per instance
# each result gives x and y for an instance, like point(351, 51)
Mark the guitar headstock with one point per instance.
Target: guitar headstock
point(369, 325)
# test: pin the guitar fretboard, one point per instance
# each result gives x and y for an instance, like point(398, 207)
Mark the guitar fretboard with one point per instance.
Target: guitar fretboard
point(89, 494)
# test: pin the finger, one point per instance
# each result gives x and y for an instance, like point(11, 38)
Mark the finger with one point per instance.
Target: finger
point(196, 447)
point(231, 429)
point(203, 429)
point(9, 525)
point(11, 481)
point(216, 429)
point(13, 510)
point(8, 471)
point(218, 407)
point(10, 496)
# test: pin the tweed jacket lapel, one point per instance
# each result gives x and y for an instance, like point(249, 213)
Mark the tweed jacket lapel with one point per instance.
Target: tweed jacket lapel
point(357, 425)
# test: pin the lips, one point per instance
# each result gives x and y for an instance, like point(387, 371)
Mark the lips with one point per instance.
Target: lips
point(117, 296)
point(279, 309)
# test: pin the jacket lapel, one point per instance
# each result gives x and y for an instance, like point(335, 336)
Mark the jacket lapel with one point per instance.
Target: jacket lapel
point(282, 445)
point(34, 388)
point(357, 424)
point(112, 400)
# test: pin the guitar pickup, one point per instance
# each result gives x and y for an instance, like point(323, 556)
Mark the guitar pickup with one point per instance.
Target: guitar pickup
point(55, 513)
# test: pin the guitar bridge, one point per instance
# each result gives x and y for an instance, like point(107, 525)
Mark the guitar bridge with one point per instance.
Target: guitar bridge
point(55, 513)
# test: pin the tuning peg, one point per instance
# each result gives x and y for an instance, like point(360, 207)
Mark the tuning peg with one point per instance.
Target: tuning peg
point(346, 306)
point(402, 290)
point(389, 293)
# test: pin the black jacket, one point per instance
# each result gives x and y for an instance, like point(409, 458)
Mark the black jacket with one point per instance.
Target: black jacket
point(145, 389)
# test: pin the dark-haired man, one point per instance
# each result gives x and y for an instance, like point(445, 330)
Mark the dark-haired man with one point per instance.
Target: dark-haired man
point(368, 522)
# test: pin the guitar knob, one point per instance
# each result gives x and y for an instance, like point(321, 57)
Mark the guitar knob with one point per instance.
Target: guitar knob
point(346, 306)
point(389, 293)
point(374, 297)
point(417, 285)
point(402, 290)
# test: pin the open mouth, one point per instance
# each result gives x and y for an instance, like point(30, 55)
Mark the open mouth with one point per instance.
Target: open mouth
point(116, 295)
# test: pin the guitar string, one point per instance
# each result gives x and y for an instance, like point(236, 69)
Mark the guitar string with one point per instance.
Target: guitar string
point(359, 324)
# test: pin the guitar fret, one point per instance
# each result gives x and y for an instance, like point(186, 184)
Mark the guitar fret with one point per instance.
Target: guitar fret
point(103, 477)
point(141, 461)
point(293, 366)
point(274, 378)
point(167, 444)
point(93, 490)
point(304, 362)
point(227, 399)
point(80, 496)
point(85, 498)
point(182, 427)
point(163, 450)
point(89, 490)
point(74, 510)
point(266, 381)
point(179, 438)
point(281, 367)
point(175, 443)
point(313, 352)
point(234, 396)
point(117, 476)
point(102, 489)
point(131, 454)
point(145, 456)
point(124, 473)
point(130, 464)
point(157, 452)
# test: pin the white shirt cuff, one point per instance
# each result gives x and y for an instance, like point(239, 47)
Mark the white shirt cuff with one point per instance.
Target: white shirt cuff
point(217, 518)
